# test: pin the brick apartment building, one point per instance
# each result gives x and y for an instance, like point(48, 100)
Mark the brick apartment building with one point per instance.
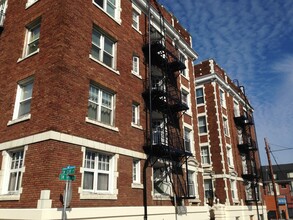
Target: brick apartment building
point(229, 157)
point(110, 88)
point(283, 178)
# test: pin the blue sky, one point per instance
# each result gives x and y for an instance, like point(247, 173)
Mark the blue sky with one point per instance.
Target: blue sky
point(252, 40)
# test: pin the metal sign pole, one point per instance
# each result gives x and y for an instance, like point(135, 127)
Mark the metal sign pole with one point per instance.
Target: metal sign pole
point(65, 200)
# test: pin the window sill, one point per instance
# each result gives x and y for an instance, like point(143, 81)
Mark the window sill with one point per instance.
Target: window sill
point(236, 201)
point(104, 65)
point(135, 74)
point(118, 21)
point(206, 165)
point(137, 126)
point(203, 134)
point(200, 104)
point(136, 185)
point(10, 197)
point(196, 200)
point(186, 77)
point(161, 197)
point(97, 196)
point(27, 5)
point(101, 124)
point(137, 30)
point(27, 56)
point(17, 120)
point(188, 112)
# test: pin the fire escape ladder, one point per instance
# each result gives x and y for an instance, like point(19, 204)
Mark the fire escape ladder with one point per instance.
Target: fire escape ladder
point(248, 147)
point(163, 99)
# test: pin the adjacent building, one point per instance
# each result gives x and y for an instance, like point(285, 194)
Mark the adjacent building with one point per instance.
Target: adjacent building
point(283, 178)
point(109, 89)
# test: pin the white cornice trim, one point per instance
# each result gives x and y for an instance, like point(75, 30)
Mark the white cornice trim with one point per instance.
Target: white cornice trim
point(170, 30)
point(214, 77)
point(71, 139)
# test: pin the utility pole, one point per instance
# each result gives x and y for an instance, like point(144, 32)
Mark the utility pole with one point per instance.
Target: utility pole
point(273, 179)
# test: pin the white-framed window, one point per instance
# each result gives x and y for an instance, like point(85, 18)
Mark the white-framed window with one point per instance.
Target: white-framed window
point(101, 105)
point(161, 180)
point(135, 114)
point(136, 171)
point(135, 19)
point(185, 98)
point(183, 59)
point(248, 191)
point(240, 136)
point(23, 98)
point(103, 48)
point(192, 186)
point(234, 189)
point(187, 139)
point(208, 188)
point(230, 156)
point(3, 6)
point(98, 172)
point(135, 65)
point(205, 155)
point(222, 98)
point(30, 2)
point(199, 96)
point(32, 38)
point(290, 175)
point(202, 125)
point(13, 169)
point(226, 126)
point(244, 164)
point(111, 7)
point(236, 109)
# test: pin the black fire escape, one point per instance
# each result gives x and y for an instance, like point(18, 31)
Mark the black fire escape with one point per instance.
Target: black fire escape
point(247, 148)
point(162, 95)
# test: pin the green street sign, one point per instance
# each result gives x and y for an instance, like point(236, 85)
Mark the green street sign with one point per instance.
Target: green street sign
point(67, 173)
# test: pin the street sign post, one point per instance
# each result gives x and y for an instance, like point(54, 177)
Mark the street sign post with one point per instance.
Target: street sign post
point(67, 174)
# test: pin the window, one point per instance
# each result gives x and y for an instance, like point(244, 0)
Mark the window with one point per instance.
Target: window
point(100, 105)
point(236, 109)
point(185, 99)
point(30, 2)
point(240, 137)
point(187, 139)
point(14, 172)
point(103, 48)
point(222, 98)
point(109, 6)
point(208, 188)
point(202, 124)
point(135, 65)
point(97, 172)
point(248, 191)
point(199, 96)
point(205, 155)
point(32, 38)
point(161, 180)
point(23, 98)
point(244, 164)
point(230, 156)
point(226, 126)
point(290, 175)
point(136, 171)
point(3, 5)
point(191, 183)
point(135, 19)
point(135, 114)
point(160, 132)
point(234, 189)
point(183, 59)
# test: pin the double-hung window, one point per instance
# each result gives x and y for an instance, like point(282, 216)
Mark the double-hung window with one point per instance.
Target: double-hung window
point(199, 96)
point(230, 156)
point(205, 155)
point(234, 189)
point(135, 19)
point(202, 125)
point(100, 105)
point(183, 59)
point(135, 65)
point(135, 114)
point(103, 48)
point(222, 98)
point(136, 171)
point(23, 98)
point(187, 139)
point(109, 6)
point(185, 98)
point(32, 38)
point(191, 183)
point(226, 126)
point(3, 5)
point(208, 188)
point(97, 172)
point(161, 180)
point(236, 109)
